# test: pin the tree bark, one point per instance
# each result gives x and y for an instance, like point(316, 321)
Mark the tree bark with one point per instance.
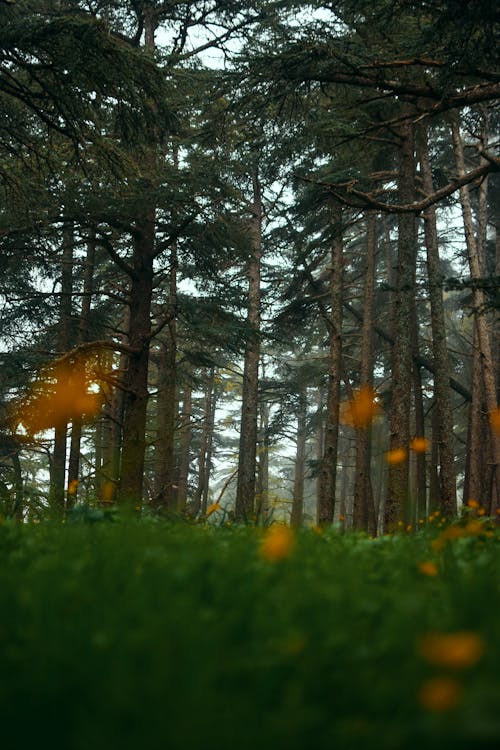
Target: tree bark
point(328, 471)
point(184, 448)
point(396, 506)
point(245, 488)
point(83, 334)
point(58, 465)
point(141, 289)
point(442, 398)
point(363, 503)
point(300, 462)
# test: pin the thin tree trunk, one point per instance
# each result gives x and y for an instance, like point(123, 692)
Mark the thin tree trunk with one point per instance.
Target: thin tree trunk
point(184, 448)
point(300, 462)
point(328, 471)
point(58, 466)
point(204, 440)
point(363, 504)
point(210, 445)
point(245, 489)
point(396, 506)
point(83, 334)
point(263, 508)
point(442, 397)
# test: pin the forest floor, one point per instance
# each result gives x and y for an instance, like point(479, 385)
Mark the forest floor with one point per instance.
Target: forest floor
point(153, 635)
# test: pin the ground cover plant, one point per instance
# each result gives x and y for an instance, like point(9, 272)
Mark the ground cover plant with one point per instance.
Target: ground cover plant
point(151, 635)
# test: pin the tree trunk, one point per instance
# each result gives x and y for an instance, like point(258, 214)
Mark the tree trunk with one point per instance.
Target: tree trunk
point(263, 508)
point(204, 443)
point(396, 506)
point(184, 448)
point(83, 334)
point(483, 339)
point(363, 503)
point(245, 488)
point(141, 290)
point(442, 398)
point(58, 465)
point(300, 462)
point(328, 471)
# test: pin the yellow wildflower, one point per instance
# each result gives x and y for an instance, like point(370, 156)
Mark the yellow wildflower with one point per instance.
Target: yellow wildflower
point(495, 420)
point(440, 694)
point(396, 456)
point(277, 543)
point(72, 487)
point(419, 444)
point(428, 568)
point(452, 650)
point(473, 503)
point(213, 509)
point(361, 410)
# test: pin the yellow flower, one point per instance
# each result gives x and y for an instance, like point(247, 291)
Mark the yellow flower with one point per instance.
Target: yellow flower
point(440, 694)
point(419, 444)
point(108, 492)
point(495, 420)
point(277, 543)
point(72, 487)
point(428, 568)
point(473, 503)
point(213, 508)
point(361, 410)
point(452, 650)
point(396, 456)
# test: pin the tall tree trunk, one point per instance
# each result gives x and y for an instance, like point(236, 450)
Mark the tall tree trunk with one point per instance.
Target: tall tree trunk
point(442, 396)
point(83, 334)
point(396, 506)
point(184, 448)
point(300, 462)
point(245, 488)
point(328, 471)
point(363, 503)
point(483, 339)
point(58, 465)
point(210, 444)
point(141, 290)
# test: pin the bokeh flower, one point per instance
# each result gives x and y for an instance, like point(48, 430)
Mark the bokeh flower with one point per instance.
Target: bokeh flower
point(495, 420)
point(361, 410)
point(396, 456)
point(419, 444)
point(459, 650)
point(277, 543)
point(440, 694)
point(213, 509)
point(428, 568)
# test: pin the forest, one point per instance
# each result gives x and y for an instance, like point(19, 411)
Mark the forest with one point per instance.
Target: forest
point(250, 364)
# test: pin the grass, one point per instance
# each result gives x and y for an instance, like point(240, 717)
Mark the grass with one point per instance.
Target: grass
point(147, 635)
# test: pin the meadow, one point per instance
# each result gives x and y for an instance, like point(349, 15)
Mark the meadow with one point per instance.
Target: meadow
point(139, 634)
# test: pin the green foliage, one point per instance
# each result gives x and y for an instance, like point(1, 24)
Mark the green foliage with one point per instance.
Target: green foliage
point(145, 635)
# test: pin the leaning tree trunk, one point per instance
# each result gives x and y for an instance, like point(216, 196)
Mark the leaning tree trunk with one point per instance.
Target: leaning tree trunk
point(484, 344)
point(328, 470)
point(396, 506)
point(245, 488)
point(442, 396)
point(58, 464)
point(363, 503)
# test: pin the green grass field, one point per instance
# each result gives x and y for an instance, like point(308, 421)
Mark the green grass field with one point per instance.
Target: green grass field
point(148, 635)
